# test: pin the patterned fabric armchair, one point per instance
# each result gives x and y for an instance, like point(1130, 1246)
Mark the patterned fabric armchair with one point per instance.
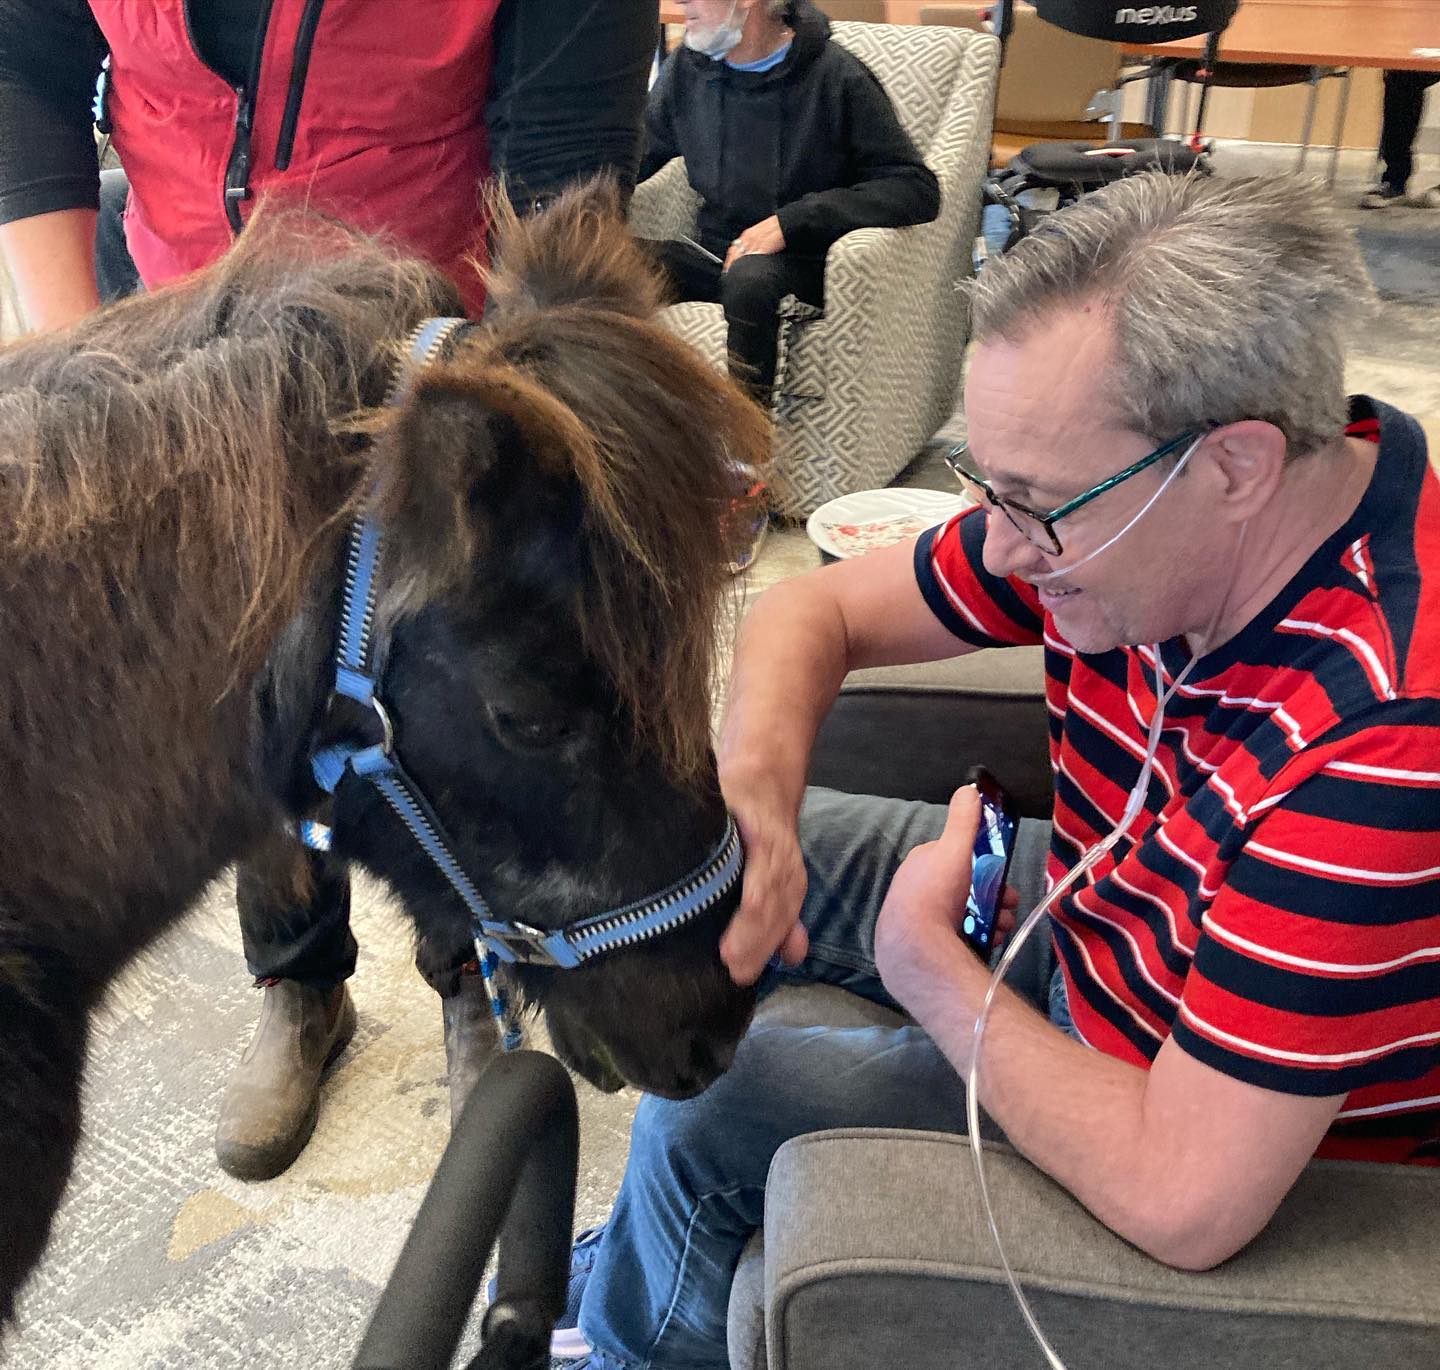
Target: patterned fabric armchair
point(862, 387)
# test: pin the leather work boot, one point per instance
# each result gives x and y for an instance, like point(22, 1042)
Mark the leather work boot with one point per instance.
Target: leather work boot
point(471, 1037)
point(273, 1098)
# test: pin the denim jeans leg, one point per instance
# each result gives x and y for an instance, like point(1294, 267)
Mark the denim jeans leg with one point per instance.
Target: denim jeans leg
point(115, 273)
point(853, 845)
point(694, 1187)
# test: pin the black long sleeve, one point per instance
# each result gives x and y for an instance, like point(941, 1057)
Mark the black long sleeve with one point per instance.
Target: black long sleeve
point(50, 56)
point(660, 142)
point(568, 94)
point(892, 186)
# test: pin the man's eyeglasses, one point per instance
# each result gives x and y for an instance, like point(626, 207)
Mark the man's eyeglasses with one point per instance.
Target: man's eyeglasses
point(1031, 524)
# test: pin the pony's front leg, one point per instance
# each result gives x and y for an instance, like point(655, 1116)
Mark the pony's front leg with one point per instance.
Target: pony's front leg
point(44, 1019)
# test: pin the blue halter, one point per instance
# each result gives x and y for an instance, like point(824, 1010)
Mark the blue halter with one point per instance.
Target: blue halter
point(358, 673)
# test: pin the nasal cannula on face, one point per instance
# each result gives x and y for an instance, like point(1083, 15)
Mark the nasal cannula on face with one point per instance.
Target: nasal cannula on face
point(1133, 807)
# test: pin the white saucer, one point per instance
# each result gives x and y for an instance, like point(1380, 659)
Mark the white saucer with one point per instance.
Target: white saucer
point(861, 522)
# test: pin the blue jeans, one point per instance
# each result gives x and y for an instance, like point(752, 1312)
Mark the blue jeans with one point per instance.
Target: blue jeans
point(694, 1186)
point(115, 274)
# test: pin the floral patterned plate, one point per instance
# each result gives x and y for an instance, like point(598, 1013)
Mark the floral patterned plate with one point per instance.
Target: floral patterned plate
point(858, 523)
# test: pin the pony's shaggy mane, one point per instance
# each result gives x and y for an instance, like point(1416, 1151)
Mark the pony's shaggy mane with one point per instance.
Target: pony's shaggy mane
point(650, 432)
point(168, 426)
point(165, 421)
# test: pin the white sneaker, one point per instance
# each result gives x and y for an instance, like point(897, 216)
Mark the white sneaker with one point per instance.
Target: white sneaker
point(1382, 196)
point(1427, 199)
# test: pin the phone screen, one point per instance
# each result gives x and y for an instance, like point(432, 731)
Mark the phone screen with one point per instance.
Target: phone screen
point(994, 842)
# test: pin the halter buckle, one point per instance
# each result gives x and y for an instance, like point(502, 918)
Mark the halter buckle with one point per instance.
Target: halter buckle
point(516, 941)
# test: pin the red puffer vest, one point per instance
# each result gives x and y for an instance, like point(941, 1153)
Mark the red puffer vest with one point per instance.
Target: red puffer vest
point(371, 110)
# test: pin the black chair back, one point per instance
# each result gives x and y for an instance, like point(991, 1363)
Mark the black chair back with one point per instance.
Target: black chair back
point(1136, 24)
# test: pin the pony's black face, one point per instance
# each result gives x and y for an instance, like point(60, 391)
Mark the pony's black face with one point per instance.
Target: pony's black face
point(515, 730)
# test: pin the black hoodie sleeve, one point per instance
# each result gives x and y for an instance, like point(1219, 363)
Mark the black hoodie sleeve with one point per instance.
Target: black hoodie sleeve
point(50, 55)
point(660, 141)
point(568, 92)
point(891, 186)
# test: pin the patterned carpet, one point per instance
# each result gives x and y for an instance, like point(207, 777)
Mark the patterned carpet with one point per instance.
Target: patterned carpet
point(159, 1258)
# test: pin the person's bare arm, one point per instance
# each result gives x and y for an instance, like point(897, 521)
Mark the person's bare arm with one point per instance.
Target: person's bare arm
point(50, 56)
point(51, 258)
point(798, 643)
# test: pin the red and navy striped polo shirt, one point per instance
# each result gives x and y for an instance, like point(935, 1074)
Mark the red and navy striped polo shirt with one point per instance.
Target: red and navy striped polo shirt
point(1276, 908)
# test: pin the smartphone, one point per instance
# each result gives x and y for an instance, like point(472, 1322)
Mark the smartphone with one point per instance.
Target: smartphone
point(994, 846)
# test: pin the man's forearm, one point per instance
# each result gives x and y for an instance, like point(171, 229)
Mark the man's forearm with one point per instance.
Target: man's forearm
point(789, 664)
point(1077, 1114)
point(51, 258)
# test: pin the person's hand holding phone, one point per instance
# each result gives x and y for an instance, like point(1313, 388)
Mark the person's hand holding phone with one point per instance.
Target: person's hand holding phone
point(927, 909)
point(990, 865)
point(1008, 916)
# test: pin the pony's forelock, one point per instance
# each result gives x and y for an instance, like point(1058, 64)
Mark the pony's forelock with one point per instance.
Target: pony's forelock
point(655, 437)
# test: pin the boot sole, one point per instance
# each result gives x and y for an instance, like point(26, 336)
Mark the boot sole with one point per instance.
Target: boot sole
point(265, 1163)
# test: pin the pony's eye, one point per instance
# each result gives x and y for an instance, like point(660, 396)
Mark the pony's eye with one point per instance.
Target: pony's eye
point(534, 732)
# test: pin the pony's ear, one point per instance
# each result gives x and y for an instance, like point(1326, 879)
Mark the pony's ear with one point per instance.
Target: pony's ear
point(443, 444)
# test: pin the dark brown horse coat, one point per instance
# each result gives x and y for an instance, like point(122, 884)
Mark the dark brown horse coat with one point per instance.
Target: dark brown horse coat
point(176, 479)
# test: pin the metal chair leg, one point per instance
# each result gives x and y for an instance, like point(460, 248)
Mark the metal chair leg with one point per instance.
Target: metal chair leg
point(1157, 94)
point(1344, 76)
point(1314, 84)
point(1195, 110)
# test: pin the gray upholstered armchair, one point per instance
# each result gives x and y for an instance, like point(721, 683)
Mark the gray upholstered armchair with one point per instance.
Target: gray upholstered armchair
point(875, 1250)
point(864, 386)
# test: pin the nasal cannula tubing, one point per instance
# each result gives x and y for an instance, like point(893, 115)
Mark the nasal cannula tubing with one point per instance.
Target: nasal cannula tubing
point(972, 1086)
point(1143, 510)
point(1133, 806)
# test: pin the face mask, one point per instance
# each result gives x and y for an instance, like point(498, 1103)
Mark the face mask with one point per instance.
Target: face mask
point(719, 41)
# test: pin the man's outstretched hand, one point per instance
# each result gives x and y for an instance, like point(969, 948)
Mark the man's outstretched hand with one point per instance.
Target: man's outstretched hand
point(768, 919)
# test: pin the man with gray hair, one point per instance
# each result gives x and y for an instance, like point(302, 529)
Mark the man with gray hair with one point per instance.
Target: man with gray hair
point(1233, 571)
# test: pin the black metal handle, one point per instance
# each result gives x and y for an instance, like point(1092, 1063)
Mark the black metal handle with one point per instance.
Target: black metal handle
point(509, 1171)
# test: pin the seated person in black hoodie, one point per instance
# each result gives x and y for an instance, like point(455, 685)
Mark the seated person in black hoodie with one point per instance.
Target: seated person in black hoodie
point(791, 143)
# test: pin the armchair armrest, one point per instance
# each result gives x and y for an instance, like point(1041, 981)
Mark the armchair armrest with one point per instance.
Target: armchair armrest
point(862, 265)
point(664, 205)
point(875, 1241)
point(893, 332)
point(911, 731)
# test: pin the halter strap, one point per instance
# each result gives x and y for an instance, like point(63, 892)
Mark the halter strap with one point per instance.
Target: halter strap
point(354, 676)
